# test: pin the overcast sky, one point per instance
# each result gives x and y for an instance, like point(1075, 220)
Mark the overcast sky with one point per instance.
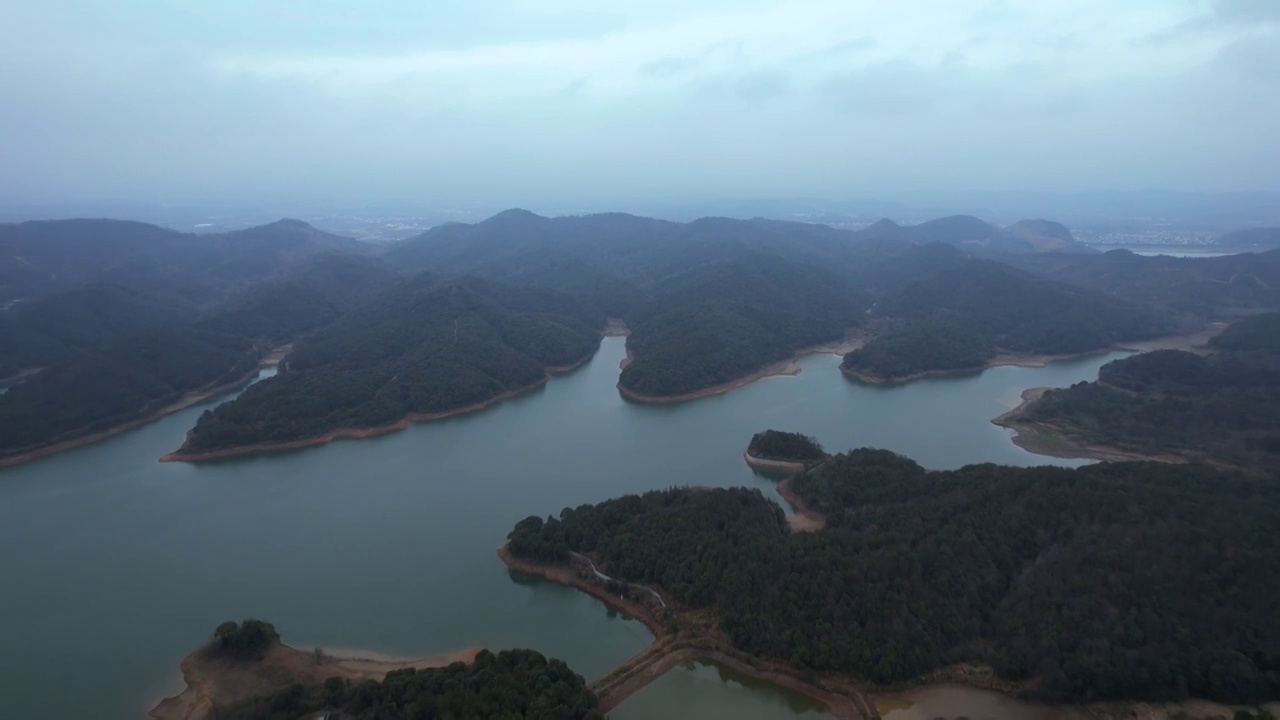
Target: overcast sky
point(565, 100)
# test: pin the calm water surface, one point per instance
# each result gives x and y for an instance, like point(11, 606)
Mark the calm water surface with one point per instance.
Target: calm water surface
point(114, 566)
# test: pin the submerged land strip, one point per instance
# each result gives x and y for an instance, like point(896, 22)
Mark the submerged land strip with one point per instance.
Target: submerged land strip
point(1191, 342)
point(1047, 439)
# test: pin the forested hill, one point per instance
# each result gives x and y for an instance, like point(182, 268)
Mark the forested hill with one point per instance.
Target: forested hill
point(1224, 407)
point(962, 317)
point(974, 235)
point(45, 256)
point(721, 323)
point(517, 684)
point(1137, 581)
point(432, 344)
point(137, 374)
point(1210, 288)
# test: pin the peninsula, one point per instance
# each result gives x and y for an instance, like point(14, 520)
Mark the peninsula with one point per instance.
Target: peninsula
point(246, 673)
point(919, 574)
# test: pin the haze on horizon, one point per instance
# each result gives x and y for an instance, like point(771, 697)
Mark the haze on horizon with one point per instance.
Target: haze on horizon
point(567, 100)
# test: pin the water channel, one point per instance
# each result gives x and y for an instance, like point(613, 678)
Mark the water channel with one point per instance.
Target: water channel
point(114, 565)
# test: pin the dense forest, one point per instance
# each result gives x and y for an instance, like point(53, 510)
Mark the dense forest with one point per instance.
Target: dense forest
point(512, 684)
point(786, 446)
point(719, 324)
point(1117, 581)
point(246, 640)
point(1223, 407)
point(964, 316)
point(431, 344)
point(136, 375)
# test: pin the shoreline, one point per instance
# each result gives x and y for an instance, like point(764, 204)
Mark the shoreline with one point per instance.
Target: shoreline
point(759, 463)
point(787, 367)
point(1051, 441)
point(272, 358)
point(1189, 342)
point(802, 517)
point(669, 650)
point(403, 423)
point(212, 682)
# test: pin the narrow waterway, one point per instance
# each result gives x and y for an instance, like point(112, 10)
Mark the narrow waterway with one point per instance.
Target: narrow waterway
point(115, 565)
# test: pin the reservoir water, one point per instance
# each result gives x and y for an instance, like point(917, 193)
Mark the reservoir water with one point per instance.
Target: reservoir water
point(114, 566)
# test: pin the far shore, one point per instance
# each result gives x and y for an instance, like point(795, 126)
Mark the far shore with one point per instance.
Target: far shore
point(214, 682)
point(272, 358)
point(403, 423)
point(783, 367)
point(1190, 342)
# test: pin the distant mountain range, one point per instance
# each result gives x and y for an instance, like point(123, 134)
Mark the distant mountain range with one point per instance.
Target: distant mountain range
point(125, 318)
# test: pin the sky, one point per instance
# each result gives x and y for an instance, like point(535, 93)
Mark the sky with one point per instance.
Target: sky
point(522, 101)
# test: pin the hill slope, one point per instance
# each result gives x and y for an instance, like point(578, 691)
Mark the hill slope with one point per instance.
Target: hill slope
point(962, 317)
point(430, 345)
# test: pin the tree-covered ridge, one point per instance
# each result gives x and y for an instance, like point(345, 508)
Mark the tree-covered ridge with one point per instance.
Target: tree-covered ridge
point(1223, 407)
point(512, 684)
point(722, 323)
point(1118, 581)
point(246, 640)
point(1212, 288)
point(137, 375)
point(429, 345)
point(786, 446)
point(964, 316)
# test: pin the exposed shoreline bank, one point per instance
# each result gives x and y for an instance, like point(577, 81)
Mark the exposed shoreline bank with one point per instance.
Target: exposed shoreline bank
point(403, 423)
point(1049, 440)
point(213, 681)
point(272, 358)
point(847, 344)
point(1191, 342)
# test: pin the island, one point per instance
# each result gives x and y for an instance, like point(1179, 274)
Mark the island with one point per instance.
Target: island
point(1219, 405)
point(246, 673)
point(783, 451)
point(1032, 581)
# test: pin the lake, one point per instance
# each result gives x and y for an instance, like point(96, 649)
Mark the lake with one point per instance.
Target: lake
point(115, 565)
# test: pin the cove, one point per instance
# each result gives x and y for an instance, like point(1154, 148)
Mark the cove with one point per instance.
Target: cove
point(116, 565)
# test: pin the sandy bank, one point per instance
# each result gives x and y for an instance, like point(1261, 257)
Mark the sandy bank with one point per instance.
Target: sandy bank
point(272, 357)
point(214, 681)
point(1047, 439)
point(804, 518)
point(403, 423)
point(759, 463)
point(1190, 342)
point(783, 367)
